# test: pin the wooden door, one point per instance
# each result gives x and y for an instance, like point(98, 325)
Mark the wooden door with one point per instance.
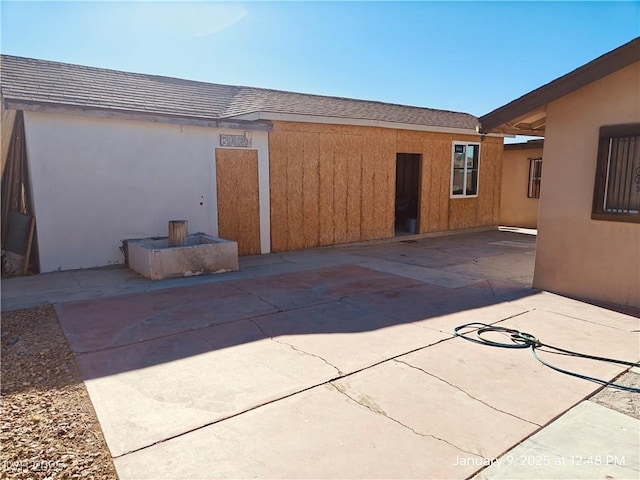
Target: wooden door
point(238, 202)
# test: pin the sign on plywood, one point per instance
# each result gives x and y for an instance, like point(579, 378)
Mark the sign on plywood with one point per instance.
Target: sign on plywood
point(234, 140)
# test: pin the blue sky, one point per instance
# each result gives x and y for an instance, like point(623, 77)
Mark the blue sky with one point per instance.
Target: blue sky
point(462, 56)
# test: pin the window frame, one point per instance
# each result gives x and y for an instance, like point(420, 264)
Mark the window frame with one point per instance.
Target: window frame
point(534, 179)
point(464, 175)
point(607, 133)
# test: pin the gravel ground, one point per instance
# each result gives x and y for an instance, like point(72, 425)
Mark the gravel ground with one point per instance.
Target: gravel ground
point(620, 400)
point(49, 428)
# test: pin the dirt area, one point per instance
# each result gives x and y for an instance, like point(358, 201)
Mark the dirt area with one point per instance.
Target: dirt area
point(620, 400)
point(49, 428)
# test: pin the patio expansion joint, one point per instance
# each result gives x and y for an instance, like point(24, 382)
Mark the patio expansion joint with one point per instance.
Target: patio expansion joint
point(379, 411)
point(465, 392)
point(269, 402)
point(588, 321)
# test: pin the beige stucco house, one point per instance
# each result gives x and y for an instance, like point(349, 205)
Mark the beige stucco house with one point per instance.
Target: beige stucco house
point(115, 155)
point(521, 182)
point(588, 222)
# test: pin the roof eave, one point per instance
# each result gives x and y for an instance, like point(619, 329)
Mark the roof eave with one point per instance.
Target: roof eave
point(362, 122)
point(596, 69)
point(126, 114)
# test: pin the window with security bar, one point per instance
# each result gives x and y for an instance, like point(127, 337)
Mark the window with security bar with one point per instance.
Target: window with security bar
point(617, 185)
point(535, 175)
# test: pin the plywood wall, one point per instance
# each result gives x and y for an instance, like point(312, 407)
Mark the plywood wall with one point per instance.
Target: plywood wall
point(238, 204)
point(334, 184)
point(6, 130)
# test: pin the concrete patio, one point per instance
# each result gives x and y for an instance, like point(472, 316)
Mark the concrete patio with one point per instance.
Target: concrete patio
point(341, 363)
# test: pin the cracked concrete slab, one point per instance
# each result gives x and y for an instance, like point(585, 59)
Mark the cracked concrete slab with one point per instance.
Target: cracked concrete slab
point(436, 276)
point(319, 433)
point(437, 307)
point(347, 337)
point(489, 314)
point(433, 407)
point(551, 302)
point(511, 379)
point(310, 287)
point(503, 266)
point(319, 258)
point(582, 336)
point(148, 392)
point(573, 447)
point(214, 381)
point(122, 320)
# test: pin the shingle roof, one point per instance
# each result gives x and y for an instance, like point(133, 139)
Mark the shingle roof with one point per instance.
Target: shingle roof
point(53, 83)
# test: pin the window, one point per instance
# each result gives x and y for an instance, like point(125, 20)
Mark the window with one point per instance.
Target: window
point(535, 174)
point(464, 169)
point(616, 193)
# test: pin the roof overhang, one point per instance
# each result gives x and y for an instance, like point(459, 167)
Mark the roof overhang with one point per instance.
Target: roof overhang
point(527, 114)
point(115, 113)
point(537, 143)
point(362, 122)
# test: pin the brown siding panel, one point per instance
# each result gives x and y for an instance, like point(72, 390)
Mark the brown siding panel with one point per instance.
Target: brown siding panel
point(238, 203)
point(354, 189)
point(340, 185)
point(463, 213)
point(310, 190)
point(385, 149)
point(489, 183)
point(325, 195)
point(332, 184)
point(295, 213)
point(368, 207)
point(436, 161)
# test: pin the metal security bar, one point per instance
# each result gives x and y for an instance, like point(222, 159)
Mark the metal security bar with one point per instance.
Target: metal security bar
point(622, 187)
point(535, 176)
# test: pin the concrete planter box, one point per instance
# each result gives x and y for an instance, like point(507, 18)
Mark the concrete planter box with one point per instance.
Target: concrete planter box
point(154, 259)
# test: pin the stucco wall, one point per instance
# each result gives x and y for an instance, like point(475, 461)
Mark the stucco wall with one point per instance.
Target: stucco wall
point(99, 181)
point(576, 255)
point(516, 209)
point(333, 184)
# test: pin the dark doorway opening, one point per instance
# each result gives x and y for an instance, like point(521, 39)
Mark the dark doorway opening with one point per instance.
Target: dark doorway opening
point(407, 210)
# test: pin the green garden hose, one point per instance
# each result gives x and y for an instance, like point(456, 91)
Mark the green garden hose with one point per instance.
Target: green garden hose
point(521, 339)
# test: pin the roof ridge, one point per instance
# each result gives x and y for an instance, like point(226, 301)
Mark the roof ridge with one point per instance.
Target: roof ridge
point(32, 81)
point(237, 93)
point(336, 97)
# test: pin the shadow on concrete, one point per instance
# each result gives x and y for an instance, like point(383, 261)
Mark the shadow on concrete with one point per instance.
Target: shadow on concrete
point(131, 332)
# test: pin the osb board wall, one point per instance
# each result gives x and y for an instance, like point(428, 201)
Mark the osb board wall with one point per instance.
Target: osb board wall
point(238, 202)
point(490, 182)
point(6, 128)
point(321, 192)
point(333, 184)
